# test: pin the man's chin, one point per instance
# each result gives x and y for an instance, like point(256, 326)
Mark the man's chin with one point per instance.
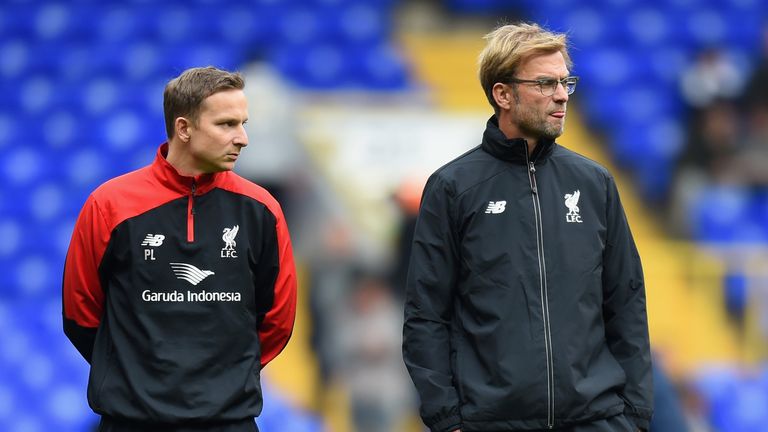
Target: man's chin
point(554, 133)
point(551, 135)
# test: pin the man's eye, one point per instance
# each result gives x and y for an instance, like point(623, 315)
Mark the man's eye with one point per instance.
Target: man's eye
point(548, 82)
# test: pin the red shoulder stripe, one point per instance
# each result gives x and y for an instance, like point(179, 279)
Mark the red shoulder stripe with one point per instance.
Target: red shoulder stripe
point(107, 207)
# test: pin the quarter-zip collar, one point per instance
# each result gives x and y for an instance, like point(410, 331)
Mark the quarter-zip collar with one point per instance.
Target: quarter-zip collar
point(171, 179)
point(513, 149)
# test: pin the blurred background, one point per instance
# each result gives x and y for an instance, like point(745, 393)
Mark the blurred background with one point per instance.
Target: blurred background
point(353, 103)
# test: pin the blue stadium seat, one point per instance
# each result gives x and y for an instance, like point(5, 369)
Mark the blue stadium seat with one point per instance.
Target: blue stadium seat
point(15, 56)
point(718, 212)
point(51, 21)
point(60, 129)
point(648, 26)
point(246, 25)
point(10, 129)
point(36, 94)
point(606, 66)
point(301, 25)
point(666, 64)
point(361, 22)
point(23, 166)
point(18, 21)
point(11, 231)
point(704, 27)
point(482, 6)
point(141, 60)
point(87, 167)
point(118, 23)
point(588, 26)
point(378, 67)
point(321, 67)
point(744, 410)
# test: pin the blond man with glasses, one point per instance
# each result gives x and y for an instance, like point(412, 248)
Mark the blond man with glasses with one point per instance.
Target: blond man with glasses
point(525, 306)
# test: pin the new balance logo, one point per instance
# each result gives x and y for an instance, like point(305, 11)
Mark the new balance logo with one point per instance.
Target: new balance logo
point(153, 240)
point(190, 273)
point(496, 207)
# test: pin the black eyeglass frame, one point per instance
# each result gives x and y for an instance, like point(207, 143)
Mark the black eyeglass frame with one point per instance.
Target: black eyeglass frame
point(568, 83)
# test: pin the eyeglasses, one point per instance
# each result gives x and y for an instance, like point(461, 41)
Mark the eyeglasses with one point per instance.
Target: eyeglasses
point(548, 86)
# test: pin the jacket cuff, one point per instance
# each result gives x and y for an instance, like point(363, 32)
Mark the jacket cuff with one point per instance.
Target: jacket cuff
point(641, 423)
point(447, 424)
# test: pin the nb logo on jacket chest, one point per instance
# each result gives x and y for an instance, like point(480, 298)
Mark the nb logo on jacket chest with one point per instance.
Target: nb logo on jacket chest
point(496, 207)
point(151, 241)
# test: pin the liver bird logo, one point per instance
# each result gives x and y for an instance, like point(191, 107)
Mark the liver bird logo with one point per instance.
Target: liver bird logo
point(229, 237)
point(572, 202)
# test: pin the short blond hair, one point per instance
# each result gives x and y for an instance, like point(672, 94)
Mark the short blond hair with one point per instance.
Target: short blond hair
point(509, 46)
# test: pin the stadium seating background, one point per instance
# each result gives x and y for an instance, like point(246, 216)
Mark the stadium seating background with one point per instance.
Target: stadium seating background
point(81, 85)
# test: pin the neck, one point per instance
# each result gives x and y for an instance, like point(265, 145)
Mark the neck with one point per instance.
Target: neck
point(180, 160)
point(511, 131)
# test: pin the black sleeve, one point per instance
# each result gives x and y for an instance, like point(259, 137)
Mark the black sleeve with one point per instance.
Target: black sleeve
point(428, 308)
point(83, 338)
point(624, 311)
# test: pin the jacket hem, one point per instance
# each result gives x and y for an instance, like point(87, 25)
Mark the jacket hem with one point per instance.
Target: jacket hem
point(448, 424)
point(538, 423)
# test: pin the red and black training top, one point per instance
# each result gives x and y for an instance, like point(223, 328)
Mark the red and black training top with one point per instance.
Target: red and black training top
point(178, 290)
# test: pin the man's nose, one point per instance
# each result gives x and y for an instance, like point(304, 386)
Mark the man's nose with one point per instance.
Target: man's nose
point(241, 139)
point(561, 93)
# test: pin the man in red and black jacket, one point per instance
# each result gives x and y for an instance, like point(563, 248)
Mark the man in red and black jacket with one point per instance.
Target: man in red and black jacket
point(179, 283)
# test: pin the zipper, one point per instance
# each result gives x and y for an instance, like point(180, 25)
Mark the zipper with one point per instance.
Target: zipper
point(191, 213)
point(544, 292)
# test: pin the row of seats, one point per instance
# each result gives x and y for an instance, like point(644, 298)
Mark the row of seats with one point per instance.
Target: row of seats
point(658, 25)
point(181, 22)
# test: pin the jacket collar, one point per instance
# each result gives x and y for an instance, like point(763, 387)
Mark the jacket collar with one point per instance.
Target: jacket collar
point(170, 177)
point(513, 149)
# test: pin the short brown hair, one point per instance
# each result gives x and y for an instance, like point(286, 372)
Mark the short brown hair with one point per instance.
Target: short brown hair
point(509, 46)
point(184, 94)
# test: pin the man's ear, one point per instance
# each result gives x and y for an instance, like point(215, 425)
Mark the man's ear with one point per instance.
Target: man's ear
point(182, 126)
point(502, 94)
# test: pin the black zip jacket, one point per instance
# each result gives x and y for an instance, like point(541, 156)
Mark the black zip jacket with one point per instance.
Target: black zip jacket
point(178, 290)
point(525, 304)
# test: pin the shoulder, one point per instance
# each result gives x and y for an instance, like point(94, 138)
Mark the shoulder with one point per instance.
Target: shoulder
point(466, 171)
point(130, 195)
point(128, 181)
point(233, 182)
point(134, 190)
point(577, 161)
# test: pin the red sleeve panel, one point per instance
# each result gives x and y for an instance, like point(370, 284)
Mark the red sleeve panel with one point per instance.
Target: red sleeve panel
point(276, 328)
point(83, 298)
point(109, 205)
